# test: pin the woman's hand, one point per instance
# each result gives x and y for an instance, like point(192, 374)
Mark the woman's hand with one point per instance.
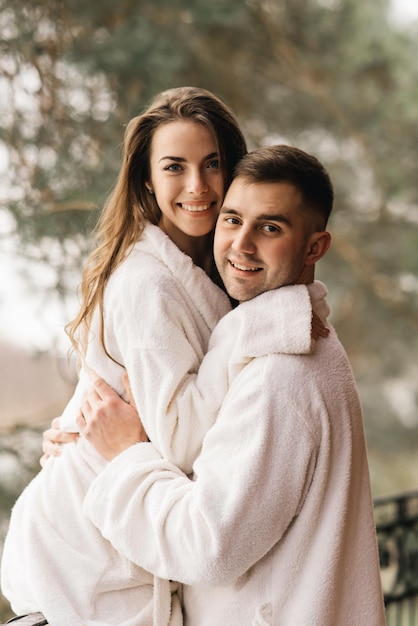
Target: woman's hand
point(53, 439)
point(318, 328)
point(109, 423)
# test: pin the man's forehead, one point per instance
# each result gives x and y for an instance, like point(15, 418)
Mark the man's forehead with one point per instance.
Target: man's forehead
point(264, 197)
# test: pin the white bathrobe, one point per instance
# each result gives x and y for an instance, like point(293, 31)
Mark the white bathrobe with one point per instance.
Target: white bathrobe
point(159, 312)
point(277, 526)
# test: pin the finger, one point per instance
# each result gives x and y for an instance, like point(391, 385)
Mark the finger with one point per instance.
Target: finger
point(86, 408)
point(43, 459)
point(50, 448)
point(81, 421)
point(102, 389)
point(58, 436)
point(323, 331)
point(92, 397)
point(318, 328)
point(319, 331)
point(127, 387)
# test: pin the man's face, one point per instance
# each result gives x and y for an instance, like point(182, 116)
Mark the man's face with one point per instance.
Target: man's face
point(261, 241)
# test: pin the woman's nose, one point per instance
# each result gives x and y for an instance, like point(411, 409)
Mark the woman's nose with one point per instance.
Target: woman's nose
point(197, 183)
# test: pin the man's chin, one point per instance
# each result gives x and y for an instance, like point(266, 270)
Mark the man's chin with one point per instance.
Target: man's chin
point(242, 295)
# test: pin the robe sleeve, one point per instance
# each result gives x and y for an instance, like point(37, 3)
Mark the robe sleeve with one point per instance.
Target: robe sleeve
point(253, 467)
point(178, 396)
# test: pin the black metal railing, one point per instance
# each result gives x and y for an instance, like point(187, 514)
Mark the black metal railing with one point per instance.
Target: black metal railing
point(397, 535)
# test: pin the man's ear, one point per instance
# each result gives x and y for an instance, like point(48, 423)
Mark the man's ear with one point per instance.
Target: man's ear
point(318, 245)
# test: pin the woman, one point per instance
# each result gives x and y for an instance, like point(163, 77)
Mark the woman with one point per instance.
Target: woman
point(158, 312)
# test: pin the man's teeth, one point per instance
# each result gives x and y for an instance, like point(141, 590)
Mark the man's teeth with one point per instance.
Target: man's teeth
point(196, 209)
point(244, 268)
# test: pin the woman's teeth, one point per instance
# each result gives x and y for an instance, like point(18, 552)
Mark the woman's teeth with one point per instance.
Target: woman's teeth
point(196, 209)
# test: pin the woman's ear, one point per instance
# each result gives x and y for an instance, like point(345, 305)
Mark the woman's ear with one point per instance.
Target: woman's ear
point(149, 189)
point(318, 245)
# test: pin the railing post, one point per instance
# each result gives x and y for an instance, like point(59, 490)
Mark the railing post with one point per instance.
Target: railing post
point(397, 535)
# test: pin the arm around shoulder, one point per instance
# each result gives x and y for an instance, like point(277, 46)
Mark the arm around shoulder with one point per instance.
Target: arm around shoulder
point(192, 530)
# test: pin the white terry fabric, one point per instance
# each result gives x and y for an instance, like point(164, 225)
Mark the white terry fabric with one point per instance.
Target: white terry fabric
point(54, 559)
point(159, 312)
point(277, 526)
point(160, 335)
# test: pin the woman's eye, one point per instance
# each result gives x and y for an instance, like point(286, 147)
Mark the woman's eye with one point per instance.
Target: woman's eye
point(174, 167)
point(214, 164)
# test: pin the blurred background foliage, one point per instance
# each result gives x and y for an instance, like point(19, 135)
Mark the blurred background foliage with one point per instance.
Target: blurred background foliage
point(335, 77)
point(338, 78)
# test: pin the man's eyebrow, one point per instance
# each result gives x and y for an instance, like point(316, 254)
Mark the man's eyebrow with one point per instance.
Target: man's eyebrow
point(225, 209)
point(263, 217)
point(278, 217)
point(177, 159)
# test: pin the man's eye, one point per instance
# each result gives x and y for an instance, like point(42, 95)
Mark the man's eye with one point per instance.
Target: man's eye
point(232, 220)
point(271, 228)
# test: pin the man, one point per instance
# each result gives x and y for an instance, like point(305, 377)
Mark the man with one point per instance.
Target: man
point(276, 527)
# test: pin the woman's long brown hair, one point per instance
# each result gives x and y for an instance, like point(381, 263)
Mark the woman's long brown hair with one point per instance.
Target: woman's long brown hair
point(130, 205)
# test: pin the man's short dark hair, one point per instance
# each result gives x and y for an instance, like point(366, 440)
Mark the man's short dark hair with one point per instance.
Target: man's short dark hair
point(287, 164)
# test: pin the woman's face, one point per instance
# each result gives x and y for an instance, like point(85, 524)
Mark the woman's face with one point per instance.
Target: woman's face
point(186, 178)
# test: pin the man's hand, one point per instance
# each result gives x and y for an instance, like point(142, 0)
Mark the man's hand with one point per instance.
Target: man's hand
point(53, 440)
point(109, 423)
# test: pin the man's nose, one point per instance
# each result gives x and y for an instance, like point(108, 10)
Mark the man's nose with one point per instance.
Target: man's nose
point(244, 241)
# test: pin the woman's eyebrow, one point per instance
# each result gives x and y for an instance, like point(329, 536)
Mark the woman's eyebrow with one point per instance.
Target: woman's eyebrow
point(178, 159)
point(172, 158)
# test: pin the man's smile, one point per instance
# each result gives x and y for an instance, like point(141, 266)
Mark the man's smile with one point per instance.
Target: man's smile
point(244, 268)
